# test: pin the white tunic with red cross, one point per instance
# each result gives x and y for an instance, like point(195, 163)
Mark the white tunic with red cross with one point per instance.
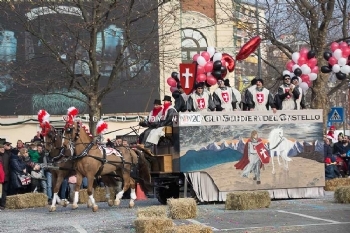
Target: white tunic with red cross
point(225, 97)
point(289, 102)
point(260, 98)
point(200, 102)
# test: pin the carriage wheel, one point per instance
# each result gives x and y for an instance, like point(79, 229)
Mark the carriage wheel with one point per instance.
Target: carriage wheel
point(164, 193)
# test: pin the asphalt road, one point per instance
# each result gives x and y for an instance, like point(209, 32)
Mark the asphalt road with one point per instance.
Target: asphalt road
point(298, 215)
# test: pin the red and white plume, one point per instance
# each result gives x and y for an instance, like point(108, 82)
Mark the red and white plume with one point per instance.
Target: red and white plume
point(43, 116)
point(72, 112)
point(101, 127)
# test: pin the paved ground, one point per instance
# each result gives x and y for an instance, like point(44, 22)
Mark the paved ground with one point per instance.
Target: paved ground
point(304, 215)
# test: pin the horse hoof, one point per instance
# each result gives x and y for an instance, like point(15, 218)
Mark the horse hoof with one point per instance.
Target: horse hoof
point(52, 208)
point(131, 204)
point(75, 206)
point(110, 202)
point(95, 208)
point(116, 202)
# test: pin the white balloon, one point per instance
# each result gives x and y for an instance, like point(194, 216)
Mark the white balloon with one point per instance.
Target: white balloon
point(305, 69)
point(295, 66)
point(313, 76)
point(292, 75)
point(295, 57)
point(211, 50)
point(337, 54)
point(286, 72)
point(336, 68)
point(345, 69)
point(342, 61)
point(304, 86)
point(217, 57)
point(300, 80)
point(201, 61)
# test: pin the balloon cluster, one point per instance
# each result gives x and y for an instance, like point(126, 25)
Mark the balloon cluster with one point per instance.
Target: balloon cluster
point(338, 60)
point(303, 65)
point(213, 66)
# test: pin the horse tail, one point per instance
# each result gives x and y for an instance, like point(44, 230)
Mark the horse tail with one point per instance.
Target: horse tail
point(144, 178)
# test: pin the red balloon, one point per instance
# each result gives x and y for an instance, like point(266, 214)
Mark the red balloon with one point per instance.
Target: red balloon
point(303, 52)
point(312, 62)
point(206, 55)
point(211, 80)
point(200, 69)
point(334, 46)
point(208, 67)
point(195, 57)
point(201, 78)
point(172, 89)
point(343, 45)
point(301, 60)
point(332, 61)
point(290, 65)
point(223, 63)
point(309, 83)
point(230, 62)
point(305, 77)
point(171, 82)
point(314, 70)
point(345, 52)
point(248, 48)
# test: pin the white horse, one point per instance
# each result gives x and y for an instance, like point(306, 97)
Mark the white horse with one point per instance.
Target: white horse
point(281, 145)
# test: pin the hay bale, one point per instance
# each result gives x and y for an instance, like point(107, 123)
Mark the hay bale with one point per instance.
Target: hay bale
point(247, 200)
point(152, 224)
point(342, 194)
point(192, 228)
point(332, 184)
point(27, 200)
point(152, 211)
point(182, 208)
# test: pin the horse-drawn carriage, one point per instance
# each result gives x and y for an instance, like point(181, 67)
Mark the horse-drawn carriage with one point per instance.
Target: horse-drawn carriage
point(207, 155)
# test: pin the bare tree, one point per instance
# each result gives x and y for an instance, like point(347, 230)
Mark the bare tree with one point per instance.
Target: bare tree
point(84, 51)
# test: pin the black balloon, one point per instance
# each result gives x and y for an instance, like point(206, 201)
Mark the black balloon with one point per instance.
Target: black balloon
point(340, 75)
point(298, 72)
point(327, 55)
point(311, 54)
point(326, 69)
point(217, 65)
point(216, 73)
point(174, 74)
point(223, 69)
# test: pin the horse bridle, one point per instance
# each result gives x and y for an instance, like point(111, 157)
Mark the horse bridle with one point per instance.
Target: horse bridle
point(52, 135)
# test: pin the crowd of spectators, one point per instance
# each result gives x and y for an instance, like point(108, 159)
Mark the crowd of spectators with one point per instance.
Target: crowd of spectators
point(337, 156)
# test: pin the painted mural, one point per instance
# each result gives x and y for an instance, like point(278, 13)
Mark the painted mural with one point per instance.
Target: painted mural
point(251, 150)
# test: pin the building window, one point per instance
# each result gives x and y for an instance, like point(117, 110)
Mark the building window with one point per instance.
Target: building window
point(192, 42)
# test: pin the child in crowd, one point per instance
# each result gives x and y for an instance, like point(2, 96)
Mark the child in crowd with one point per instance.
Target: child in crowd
point(331, 168)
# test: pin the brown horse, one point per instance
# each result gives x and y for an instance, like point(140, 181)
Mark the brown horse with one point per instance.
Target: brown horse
point(92, 161)
point(59, 155)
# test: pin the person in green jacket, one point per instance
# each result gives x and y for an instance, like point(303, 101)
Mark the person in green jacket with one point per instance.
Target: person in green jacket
point(33, 153)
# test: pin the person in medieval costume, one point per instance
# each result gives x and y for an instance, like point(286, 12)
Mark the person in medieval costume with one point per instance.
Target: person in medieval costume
point(236, 92)
point(224, 98)
point(151, 122)
point(287, 94)
point(258, 98)
point(181, 99)
point(251, 162)
point(167, 115)
point(252, 86)
point(300, 102)
point(200, 100)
